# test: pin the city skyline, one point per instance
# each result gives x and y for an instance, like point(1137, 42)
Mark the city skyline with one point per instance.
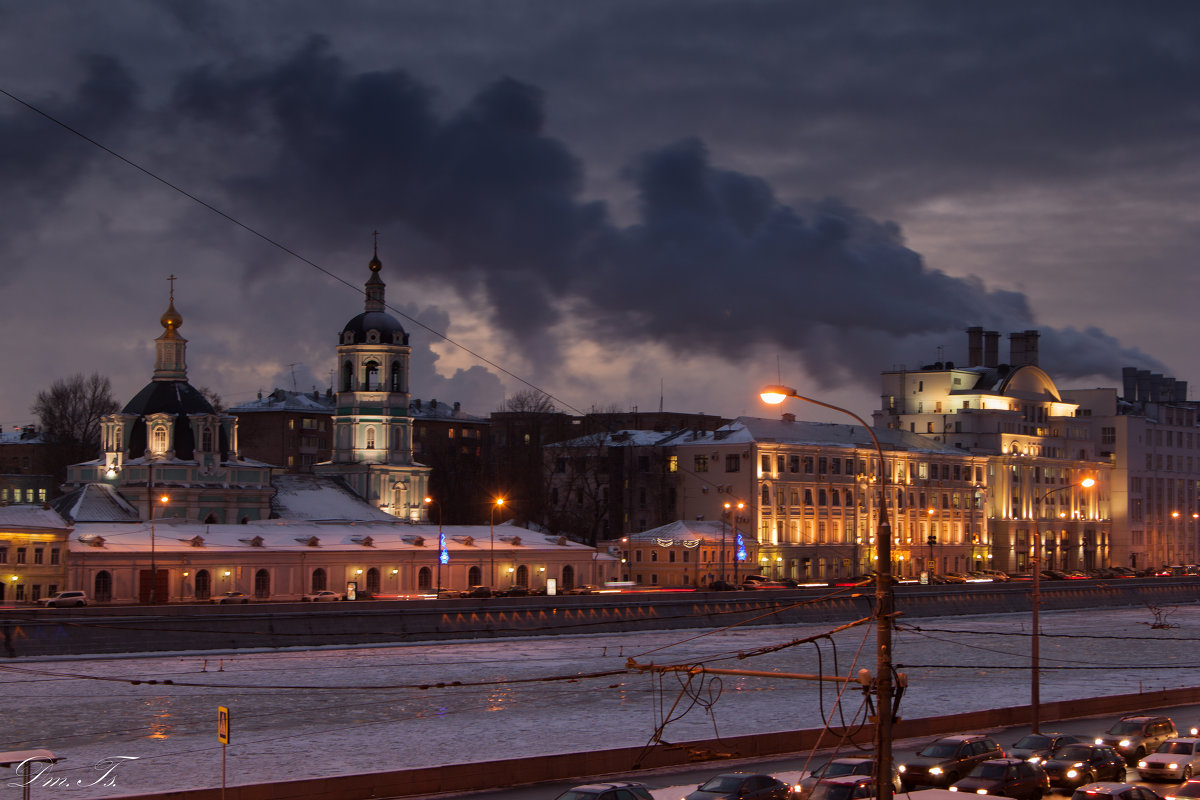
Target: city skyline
point(617, 202)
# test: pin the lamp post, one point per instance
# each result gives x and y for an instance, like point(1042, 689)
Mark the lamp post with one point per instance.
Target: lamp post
point(153, 562)
point(442, 553)
point(492, 551)
point(884, 601)
point(1035, 689)
point(931, 541)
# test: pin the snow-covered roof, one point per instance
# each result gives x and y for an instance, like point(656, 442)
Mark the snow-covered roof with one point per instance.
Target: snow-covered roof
point(685, 531)
point(283, 400)
point(95, 502)
point(31, 517)
point(623, 438)
point(433, 409)
point(22, 436)
point(321, 498)
point(745, 430)
point(183, 536)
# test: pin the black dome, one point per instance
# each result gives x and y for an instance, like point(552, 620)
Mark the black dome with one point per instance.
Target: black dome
point(388, 328)
point(177, 398)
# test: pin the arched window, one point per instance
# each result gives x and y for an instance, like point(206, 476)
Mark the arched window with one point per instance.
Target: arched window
point(370, 438)
point(522, 575)
point(203, 585)
point(373, 580)
point(474, 576)
point(396, 379)
point(102, 592)
point(262, 584)
point(371, 376)
point(211, 519)
point(206, 439)
point(425, 578)
point(347, 376)
point(158, 442)
point(318, 580)
point(766, 495)
point(568, 577)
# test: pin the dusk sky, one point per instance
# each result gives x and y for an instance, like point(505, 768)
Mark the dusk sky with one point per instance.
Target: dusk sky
point(608, 199)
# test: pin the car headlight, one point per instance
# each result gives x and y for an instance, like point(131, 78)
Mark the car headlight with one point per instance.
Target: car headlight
point(1141, 765)
point(981, 791)
point(1123, 743)
point(1034, 759)
point(1072, 773)
point(900, 768)
point(1099, 741)
point(935, 770)
point(954, 788)
point(1172, 766)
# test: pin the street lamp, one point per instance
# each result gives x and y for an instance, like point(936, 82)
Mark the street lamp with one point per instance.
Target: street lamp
point(728, 512)
point(492, 528)
point(164, 499)
point(884, 602)
point(443, 554)
point(1035, 690)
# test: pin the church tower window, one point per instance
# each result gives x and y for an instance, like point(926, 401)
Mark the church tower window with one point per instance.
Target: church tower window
point(159, 440)
point(370, 438)
point(347, 376)
point(206, 440)
point(371, 376)
point(396, 375)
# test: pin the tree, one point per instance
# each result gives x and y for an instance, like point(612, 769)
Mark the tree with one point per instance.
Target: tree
point(70, 410)
point(213, 399)
point(530, 401)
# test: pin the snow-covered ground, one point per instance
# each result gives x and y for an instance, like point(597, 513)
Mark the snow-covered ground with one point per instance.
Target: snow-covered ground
point(326, 712)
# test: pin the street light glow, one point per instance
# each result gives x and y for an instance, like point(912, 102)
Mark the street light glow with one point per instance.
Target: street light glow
point(774, 395)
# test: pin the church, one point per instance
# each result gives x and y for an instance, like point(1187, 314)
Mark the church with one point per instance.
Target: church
point(172, 512)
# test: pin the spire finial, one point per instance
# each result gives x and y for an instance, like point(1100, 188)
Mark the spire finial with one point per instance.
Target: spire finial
point(375, 264)
point(172, 280)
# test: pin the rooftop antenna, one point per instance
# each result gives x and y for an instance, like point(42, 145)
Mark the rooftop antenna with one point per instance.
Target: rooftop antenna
point(292, 367)
point(940, 352)
point(661, 390)
point(778, 369)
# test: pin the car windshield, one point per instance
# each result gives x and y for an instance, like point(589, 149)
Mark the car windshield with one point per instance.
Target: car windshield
point(939, 750)
point(722, 783)
point(833, 791)
point(572, 794)
point(1177, 748)
point(848, 768)
point(993, 772)
point(1073, 752)
point(1122, 728)
point(1034, 742)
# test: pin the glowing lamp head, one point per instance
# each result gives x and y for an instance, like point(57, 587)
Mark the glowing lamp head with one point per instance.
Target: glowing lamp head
point(164, 499)
point(499, 501)
point(1087, 483)
point(774, 395)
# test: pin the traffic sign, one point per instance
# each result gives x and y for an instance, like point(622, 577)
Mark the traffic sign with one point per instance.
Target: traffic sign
point(223, 724)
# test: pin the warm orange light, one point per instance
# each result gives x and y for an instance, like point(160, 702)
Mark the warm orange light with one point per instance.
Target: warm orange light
point(774, 395)
point(1175, 515)
point(499, 501)
point(164, 499)
point(428, 499)
point(1087, 483)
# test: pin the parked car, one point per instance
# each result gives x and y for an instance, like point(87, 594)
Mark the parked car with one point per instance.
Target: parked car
point(230, 597)
point(1174, 760)
point(72, 598)
point(1005, 777)
point(1136, 735)
point(945, 760)
point(857, 766)
point(323, 596)
point(514, 591)
point(611, 790)
point(1037, 746)
point(1076, 764)
point(477, 591)
point(583, 589)
point(742, 786)
point(1114, 791)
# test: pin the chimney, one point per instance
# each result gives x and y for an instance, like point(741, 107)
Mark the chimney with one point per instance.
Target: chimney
point(1180, 391)
point(1143, 386)
point(1031, 347)
point(1129, 384)
point(1023, 348)
point(789, 416)
point(974, 347)
point(991, 348)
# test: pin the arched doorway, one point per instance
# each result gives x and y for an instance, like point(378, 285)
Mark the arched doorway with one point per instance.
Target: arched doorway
point(425, 578)
point(373, 580)
point(318, 580)
point(474, 576)
point(203, 585)
point(568, 577)
point(522, 575)
point(102, 591)
point(262, 585)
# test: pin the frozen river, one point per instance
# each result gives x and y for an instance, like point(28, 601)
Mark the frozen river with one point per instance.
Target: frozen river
point(326, 712)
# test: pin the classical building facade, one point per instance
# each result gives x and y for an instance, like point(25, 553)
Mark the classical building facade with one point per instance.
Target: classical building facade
point(1037, 447)
point(372, 429)
point(33, 553)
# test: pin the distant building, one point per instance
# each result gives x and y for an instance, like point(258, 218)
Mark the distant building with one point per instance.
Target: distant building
point(1150, 434)
point(33, 553)
point(291, 430)
point(1038, 449)
point(453, 443)
point(30, 467)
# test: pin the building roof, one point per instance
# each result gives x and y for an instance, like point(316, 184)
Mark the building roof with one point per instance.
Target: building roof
point(436, 410)
point(303, 497)
point(31, 517)
point(685, 531)
point(283, 400)
point(95, 502)
point(625, 438)
point(177, 398)
point(183, 536)
point(745, 430)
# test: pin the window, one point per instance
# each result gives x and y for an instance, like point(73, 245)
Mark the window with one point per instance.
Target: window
point(808, 465)
point(203, 585)
point(700, 464)
point(158, 438)
point(395, 381)
point(3, 555)
point(793, 463)
point(39, 555)
point(319, 583)
point(672, 463)
point(20, 555)
point(370, 438)
point(733, 462)
point(371, 376)
point(262, 584)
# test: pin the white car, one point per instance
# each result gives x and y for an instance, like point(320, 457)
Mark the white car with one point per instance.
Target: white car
point(70, 598)
point(1174, 760)
point(323, 596)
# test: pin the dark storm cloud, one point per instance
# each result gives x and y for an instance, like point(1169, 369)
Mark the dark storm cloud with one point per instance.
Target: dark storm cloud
point(42, 162)
point(715, 262)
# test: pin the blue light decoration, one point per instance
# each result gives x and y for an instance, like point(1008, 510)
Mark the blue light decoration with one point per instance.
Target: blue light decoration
point(443, 553)
point(741, 548)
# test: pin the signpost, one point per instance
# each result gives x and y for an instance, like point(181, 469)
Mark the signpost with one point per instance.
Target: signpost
point(223, 738)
